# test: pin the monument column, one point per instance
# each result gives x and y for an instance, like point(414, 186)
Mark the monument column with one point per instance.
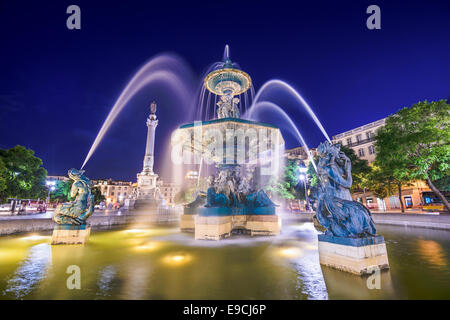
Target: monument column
point(152, 123)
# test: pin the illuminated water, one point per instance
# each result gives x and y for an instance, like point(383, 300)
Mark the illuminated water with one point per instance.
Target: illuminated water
point(161, 263)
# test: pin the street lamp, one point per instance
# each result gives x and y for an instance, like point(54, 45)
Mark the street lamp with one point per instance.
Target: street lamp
point(51, 187)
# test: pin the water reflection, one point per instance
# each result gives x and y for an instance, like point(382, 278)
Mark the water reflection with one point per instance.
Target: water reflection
point(31, 271)
point(432, 252)
point(105, 279)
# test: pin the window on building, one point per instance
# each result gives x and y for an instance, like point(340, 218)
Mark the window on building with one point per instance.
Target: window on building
point(124, 193)
point(349, 141)
point(358, 138)
point(112, 193)
point(369, 134)
point(340, 142)
point(361, 152)
point(371, 149)
point(118, 194)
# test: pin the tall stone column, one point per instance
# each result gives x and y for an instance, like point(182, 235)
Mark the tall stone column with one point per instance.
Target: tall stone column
point(149, 158)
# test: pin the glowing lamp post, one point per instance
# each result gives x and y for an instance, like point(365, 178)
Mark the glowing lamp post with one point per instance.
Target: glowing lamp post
point(51, 187)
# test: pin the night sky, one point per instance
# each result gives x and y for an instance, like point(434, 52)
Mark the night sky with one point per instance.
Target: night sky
point(58, 85)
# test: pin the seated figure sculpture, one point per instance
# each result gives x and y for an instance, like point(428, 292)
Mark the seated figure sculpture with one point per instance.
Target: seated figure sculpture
point(214, 199)
point(336, 212)
point(79, 210)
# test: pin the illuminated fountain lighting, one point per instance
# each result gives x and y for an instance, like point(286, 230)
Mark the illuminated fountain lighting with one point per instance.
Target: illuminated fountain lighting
point(290, 252)
point(138, 232)
point(177, 259)
point(223, 78)
point(148, 246)
point(35, 238)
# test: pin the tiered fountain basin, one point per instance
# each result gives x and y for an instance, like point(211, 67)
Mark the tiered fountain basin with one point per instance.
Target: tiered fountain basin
point(196, 136)
point(216, 222)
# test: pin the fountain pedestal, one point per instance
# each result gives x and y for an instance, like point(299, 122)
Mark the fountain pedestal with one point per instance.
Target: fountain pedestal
point(71, 234)
point(263, 225)
point(187, 222)
point(213, 227)
point(219, 227)
point(355, 255)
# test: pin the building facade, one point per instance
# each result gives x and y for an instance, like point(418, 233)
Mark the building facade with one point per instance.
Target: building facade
point(168, 190)
point(361, 139)
point(299, 153)
point(115, 192)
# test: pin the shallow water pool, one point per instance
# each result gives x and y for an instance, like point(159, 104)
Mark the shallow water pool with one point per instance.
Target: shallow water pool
point(162, 263)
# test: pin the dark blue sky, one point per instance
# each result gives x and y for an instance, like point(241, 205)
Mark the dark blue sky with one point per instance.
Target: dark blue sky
point(58, 85)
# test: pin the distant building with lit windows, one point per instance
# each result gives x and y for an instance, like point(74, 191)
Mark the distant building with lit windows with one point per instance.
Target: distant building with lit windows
point(168, 190)
point(361, 139)
point(115, 191)
point(299, 153)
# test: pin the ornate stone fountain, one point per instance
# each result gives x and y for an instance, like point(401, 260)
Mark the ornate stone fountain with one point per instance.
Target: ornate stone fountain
point(238, 148)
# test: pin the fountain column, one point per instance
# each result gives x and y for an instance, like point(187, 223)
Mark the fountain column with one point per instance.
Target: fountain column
point(147, 188)
point(152, 123)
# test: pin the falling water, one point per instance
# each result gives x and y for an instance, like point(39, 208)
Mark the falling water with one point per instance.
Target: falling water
point(266, 87)
point(226, 52)
point(266, 104)
point(166, 68)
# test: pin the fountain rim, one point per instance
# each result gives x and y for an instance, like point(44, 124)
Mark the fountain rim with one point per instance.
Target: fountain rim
point(224, 120)
point(224, 70)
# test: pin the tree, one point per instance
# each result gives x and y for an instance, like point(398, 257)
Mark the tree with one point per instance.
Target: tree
point(443, 184)
point(62, 191)
point(3, 176)
point(360, 169)
point(25, 176)
point(414, 144)
point(288, 185)
point(98, 197)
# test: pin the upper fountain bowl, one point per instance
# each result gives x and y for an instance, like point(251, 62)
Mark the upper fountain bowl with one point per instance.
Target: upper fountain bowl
point(228, 81)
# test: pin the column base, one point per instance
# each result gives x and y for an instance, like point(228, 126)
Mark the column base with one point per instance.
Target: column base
point(354, 255)
point(70, 234)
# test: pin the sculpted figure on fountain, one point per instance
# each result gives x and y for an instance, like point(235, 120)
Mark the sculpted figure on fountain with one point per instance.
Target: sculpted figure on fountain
point(79, 210)
point(336, 212)
point(227, 107)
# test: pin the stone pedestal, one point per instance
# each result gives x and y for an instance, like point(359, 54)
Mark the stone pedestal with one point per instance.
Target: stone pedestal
point(187, 222)
point(355, 255)
point(213, 227)
point(263, 225)
point(71, 234)
point(220, 227)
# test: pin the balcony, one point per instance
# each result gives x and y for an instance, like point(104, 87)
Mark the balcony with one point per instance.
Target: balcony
point(360, 142)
